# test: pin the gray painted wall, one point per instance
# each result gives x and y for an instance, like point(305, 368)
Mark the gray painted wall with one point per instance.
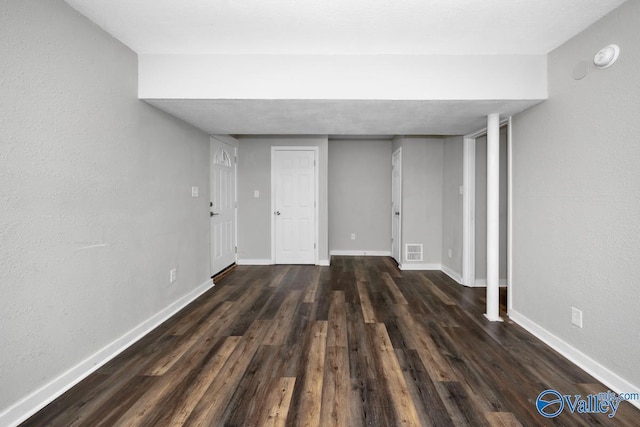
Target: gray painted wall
point(422, 181)
point(96, 196)
point(360, 195)
point(481, 206)
point(254, 173)
point(576, 203)
point(452, 204)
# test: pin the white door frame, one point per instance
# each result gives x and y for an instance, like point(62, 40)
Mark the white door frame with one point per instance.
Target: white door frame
point(316, 151)
point(509, 215)
point(399, 195)
point(469, 208)
point(234, 143)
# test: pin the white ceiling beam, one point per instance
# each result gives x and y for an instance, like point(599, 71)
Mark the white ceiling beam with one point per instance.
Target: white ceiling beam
point(343, 77)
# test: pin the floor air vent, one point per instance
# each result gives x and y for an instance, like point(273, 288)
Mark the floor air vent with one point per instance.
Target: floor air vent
point(413, 252)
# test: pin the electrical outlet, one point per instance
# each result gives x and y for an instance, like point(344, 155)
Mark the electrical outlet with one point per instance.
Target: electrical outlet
point(256, 194)
point(353, 236)
point(173, 274)
point(576, 317)
point(195, 192)
point(450, 253)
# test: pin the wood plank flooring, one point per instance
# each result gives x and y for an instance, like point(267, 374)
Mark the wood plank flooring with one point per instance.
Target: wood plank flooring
point(358, 343)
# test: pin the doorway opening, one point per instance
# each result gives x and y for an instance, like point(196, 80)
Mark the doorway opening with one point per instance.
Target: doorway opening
point(475, 209)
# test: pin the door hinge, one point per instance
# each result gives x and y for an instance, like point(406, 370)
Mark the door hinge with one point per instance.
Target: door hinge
point(314, 246)
point(235, 158)
point(236, 249)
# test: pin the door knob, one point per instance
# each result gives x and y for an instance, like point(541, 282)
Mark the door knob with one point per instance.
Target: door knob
point(210, 204)
point(398, 213)
point(277, 212)
point(213, 213)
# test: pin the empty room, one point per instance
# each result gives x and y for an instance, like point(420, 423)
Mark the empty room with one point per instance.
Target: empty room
point(333, 213)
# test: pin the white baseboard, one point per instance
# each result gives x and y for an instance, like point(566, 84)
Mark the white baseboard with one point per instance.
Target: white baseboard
point(449, 272)
point(254, 262)
point(339, 252)
point(322, 262)
point(600, 372)
point(419, 266)
point(26, 407)
point(482, 283)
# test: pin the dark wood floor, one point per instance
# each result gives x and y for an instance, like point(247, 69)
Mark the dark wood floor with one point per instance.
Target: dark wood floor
point(358, 343)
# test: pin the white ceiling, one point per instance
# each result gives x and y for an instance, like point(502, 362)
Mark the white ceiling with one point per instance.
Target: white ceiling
point(342, 27)
point(354, 27)
point(338, 117)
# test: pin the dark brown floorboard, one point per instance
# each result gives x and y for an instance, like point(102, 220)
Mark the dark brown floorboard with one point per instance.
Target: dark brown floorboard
point(359, 343)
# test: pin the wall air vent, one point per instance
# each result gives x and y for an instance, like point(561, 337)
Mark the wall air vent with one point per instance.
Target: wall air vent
point(413, 252)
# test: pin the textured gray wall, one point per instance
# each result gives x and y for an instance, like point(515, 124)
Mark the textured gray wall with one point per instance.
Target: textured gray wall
point(422, 166)
point(254, 173)
point(576, 206)
point(452, 204)
point(360, 195)
point(96, 196)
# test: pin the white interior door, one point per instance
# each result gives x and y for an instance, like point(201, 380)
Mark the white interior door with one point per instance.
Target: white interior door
point(294, 202)
point(396, 206)
point(223, 205)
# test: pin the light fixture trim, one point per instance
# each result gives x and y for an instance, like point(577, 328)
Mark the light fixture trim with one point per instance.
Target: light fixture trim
point(606, 56)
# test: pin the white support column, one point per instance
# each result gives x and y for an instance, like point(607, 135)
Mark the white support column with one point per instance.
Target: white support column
point(493, 217)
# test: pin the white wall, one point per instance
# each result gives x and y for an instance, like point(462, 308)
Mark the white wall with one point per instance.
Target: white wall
point(96, 197)
point(360, 195)
point(576, 204)
point(397, 77)
point(452, 205)
point(422, 189)
point(254, 215)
